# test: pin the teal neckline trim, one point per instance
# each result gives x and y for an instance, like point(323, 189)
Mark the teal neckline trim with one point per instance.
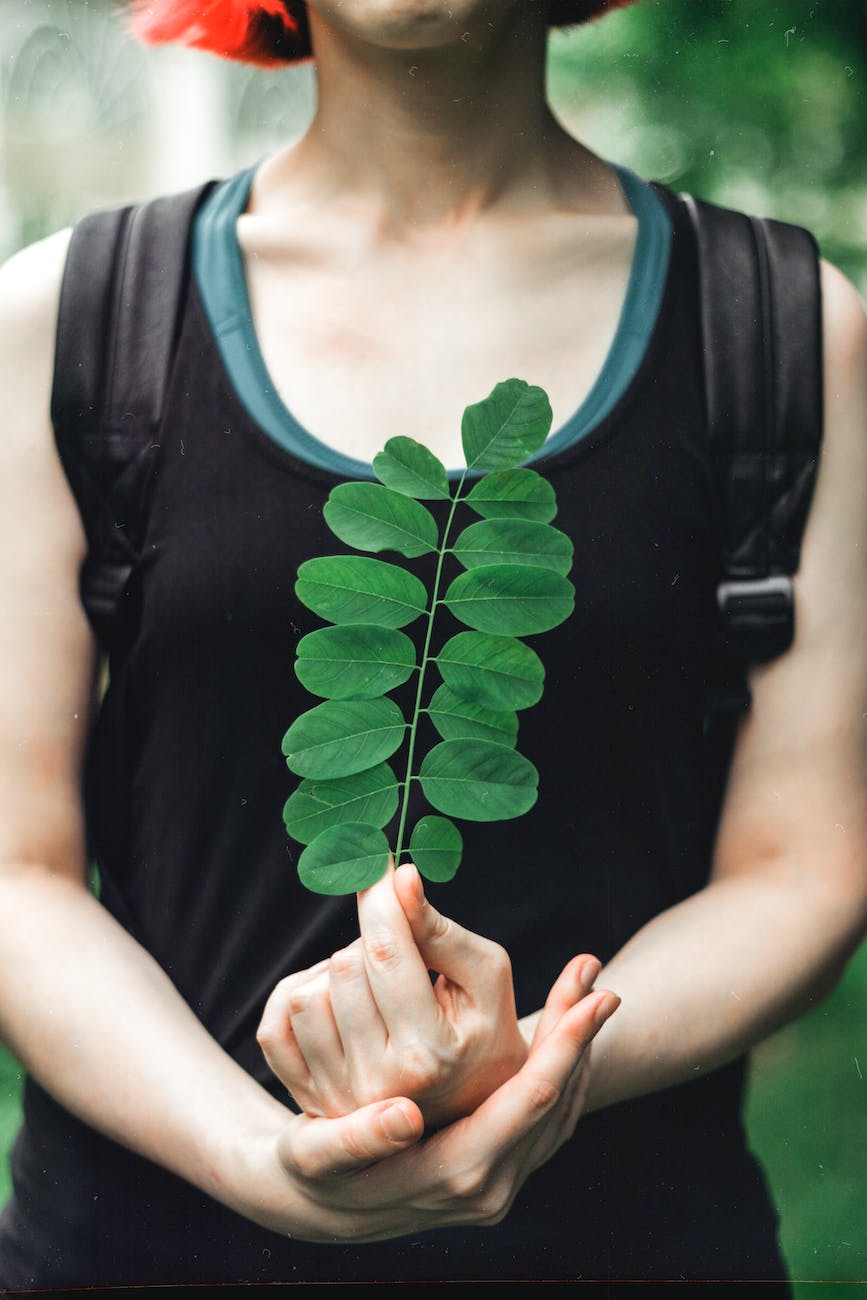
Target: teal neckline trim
point(218, 265)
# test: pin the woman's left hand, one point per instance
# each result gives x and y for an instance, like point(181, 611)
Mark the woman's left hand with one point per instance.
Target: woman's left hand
point(368, 1024)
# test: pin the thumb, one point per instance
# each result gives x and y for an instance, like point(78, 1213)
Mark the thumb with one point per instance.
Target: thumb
point(463, 956)
point(312, 1148)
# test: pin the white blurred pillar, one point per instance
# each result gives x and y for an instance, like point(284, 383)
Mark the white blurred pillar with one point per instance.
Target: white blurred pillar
point(188, 130)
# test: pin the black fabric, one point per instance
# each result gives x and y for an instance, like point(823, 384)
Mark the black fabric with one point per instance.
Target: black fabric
point(117, 330)
point(762, 340)
point(184, 791)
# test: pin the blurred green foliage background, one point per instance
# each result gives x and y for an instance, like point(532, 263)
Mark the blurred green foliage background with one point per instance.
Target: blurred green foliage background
point(756, 104)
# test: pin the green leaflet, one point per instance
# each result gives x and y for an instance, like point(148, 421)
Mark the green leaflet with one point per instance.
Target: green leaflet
point(408, 467)
point(514, 541)
point(373, 518)
point(344, 859)
point(513, 584)
point(456, 718)
point(507, 427)
point(499, 672)
point(341, 737)
point(369, 796)
point(513, 494)
point(362, 660)
point(478, 780)
point(435, 847)
point(355, 589)
point(514, 599)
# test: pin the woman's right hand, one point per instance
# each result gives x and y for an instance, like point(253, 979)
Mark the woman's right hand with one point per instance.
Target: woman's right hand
point(370, 1175)
point(368, 1024)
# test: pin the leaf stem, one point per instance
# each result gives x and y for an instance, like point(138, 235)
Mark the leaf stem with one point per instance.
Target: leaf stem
point(424, 661)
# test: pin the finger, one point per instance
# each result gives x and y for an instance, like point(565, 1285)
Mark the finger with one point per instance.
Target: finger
point(573, 982)
point(467, 958)
point(397, 974)
point(317, 1149)
point(360, 1026)
point(542, 1146)
point(519, 1105)
point(315, 1031)
point(278, 1042)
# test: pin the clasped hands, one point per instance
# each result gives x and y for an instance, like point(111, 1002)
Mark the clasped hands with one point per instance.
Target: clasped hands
point(378, 1056)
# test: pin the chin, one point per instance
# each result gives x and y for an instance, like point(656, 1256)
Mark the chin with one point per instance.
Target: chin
point(412, 24)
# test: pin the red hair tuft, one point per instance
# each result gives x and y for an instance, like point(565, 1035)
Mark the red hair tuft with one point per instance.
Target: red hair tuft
point(265, 32)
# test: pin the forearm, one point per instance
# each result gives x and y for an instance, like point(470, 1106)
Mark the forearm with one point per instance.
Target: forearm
point(102, 1028)
point(707, 979)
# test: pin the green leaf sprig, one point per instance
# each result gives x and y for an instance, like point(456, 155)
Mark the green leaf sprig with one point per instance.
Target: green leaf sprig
point(513, 583)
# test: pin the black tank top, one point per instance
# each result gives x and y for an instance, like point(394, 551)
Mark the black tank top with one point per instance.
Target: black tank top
point(184, 794)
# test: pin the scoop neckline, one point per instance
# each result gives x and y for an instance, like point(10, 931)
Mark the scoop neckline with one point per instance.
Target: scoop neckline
point(559, 448)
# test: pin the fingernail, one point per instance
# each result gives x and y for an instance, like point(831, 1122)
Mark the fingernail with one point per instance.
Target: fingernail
point(418, 886)
point(607, 1007)
point(588, 974)
point(397, 1124)
point(411, 870)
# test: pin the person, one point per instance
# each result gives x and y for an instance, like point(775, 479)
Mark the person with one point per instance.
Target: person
point(539, 1112)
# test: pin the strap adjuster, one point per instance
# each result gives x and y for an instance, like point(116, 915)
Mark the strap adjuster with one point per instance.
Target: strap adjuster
point(758, 616)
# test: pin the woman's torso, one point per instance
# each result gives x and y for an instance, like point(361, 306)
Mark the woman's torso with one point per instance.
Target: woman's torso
point(186, 785)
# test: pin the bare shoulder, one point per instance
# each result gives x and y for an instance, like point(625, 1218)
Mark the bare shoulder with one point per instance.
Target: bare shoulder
point(30, 470)
point(796, 787)
point(30, 283)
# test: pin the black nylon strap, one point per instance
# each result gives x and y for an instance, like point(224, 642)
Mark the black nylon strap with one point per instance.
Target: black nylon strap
point(118, 322)
point(762, 346)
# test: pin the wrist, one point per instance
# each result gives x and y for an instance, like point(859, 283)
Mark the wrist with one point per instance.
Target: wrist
point(247, 1175)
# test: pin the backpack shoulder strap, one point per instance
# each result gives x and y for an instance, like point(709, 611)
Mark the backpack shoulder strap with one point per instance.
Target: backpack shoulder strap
point(761, 322)
point(118, 322)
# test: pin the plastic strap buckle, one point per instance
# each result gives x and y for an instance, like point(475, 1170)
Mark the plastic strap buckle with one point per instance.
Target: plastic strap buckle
point(758, 616)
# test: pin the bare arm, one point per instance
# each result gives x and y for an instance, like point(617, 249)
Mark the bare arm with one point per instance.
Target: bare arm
point(787, 898)
point(87, 1010)
point(61, 955)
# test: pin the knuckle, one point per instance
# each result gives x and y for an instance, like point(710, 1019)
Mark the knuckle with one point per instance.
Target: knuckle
point(347, 963)
point(493, 1206)
point(367, 1086)
point(307, 1163)
point(282, 992)
point(266, 1035)
point(468, 1183)
point(382, 950)
point(438, 925)
point(499, 961)
point(542, 1094)
point(298, 1001)
point(465, 1047)
point(419, 1066)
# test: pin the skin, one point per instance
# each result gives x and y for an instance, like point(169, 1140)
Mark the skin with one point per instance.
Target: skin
point(401, 204)
point(403, 183)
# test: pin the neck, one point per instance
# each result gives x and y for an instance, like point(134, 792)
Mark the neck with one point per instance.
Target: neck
point(426, 137)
